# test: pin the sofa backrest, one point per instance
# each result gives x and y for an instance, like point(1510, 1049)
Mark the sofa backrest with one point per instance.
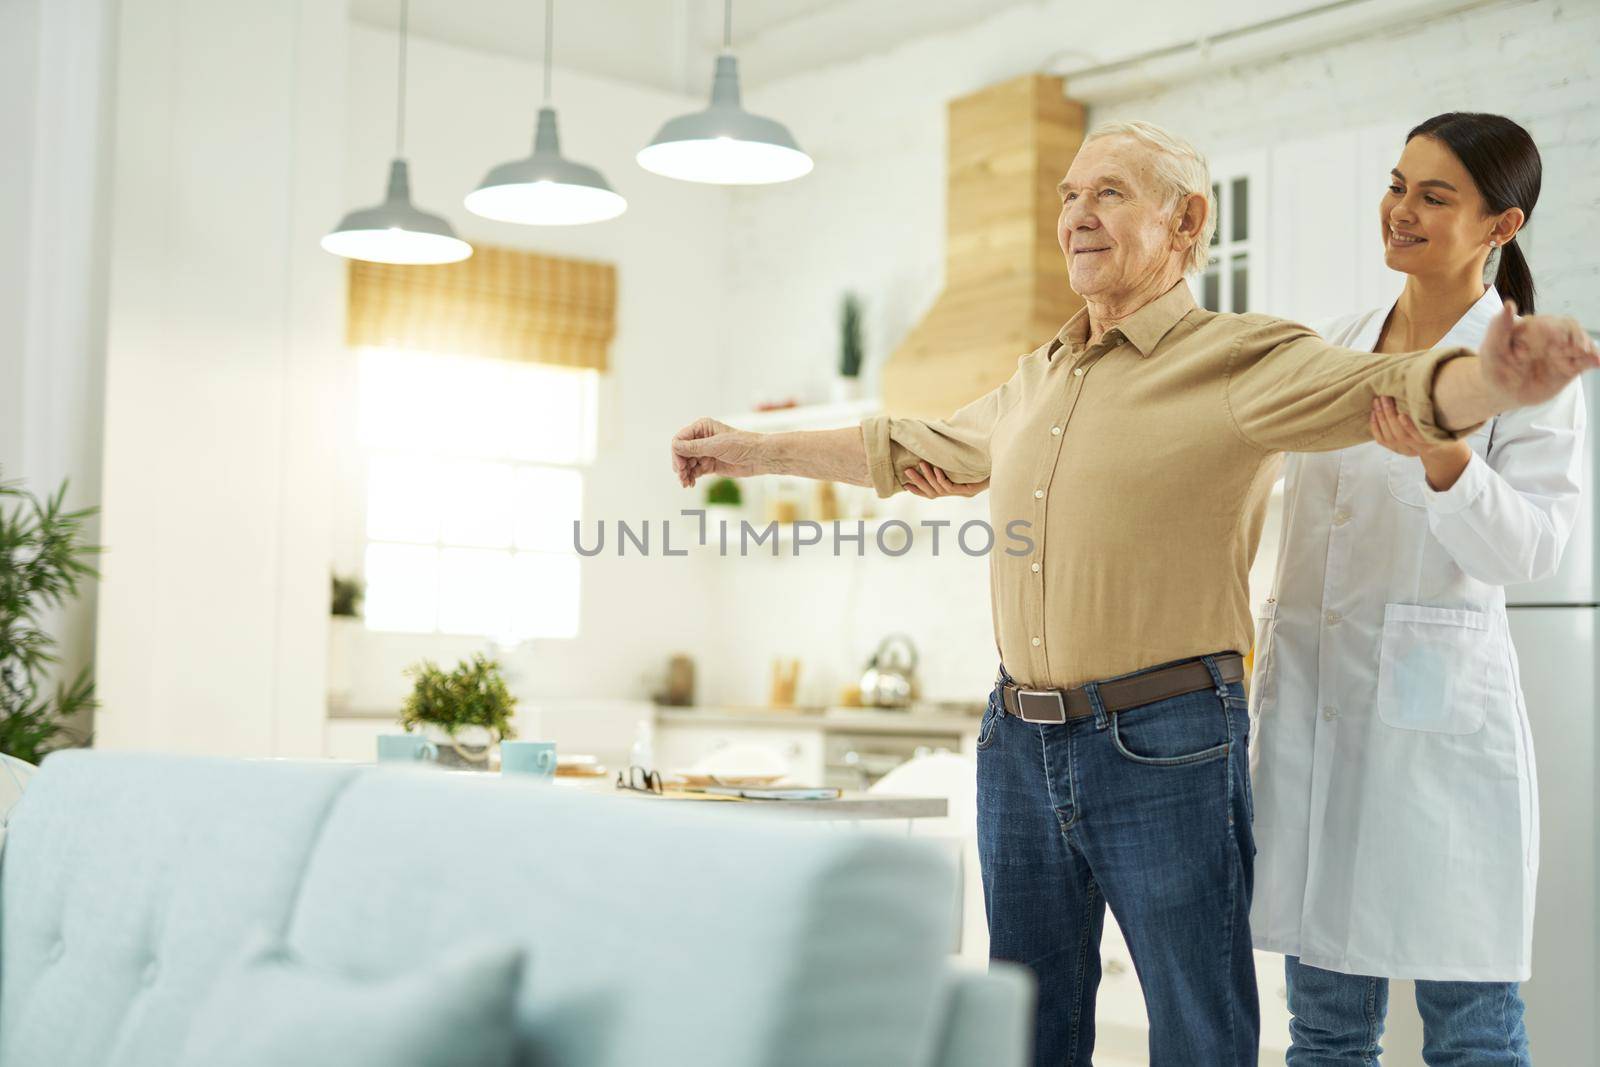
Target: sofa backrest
point(127, 882)
point(656, 933)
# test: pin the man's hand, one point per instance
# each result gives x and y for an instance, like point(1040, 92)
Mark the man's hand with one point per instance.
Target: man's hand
point(1526, 361)
point(707, 446)
point(927, 480)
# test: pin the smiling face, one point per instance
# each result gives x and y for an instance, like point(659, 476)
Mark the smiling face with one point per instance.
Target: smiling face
point(1433, 218)
point(1117, 225)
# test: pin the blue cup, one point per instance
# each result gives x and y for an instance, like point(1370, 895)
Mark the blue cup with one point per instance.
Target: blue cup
point(406, 748)
point(536, 759)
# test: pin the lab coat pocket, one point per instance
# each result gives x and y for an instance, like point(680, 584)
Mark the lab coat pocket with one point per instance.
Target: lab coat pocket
point(1433, 671)
point(1408, 482)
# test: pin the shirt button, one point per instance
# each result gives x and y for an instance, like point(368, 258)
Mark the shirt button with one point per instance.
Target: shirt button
point(1037, 493)
point(1055, 430)
point(1341, 517)
point(1078, 373)
point(1036, 568)
point(1332, 617)
point(1036, 642)
point(1330, 713)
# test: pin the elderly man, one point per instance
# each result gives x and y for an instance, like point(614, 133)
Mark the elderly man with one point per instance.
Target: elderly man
point(1140, 444)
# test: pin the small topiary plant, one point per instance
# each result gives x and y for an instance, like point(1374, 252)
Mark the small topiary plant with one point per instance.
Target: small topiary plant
point(724, 491)
point(474, 694)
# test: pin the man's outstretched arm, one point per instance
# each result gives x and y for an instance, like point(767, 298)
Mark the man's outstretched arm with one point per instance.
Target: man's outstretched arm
point(709, 447)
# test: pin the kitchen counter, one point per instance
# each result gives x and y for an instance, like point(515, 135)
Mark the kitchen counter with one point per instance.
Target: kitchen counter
point(917, 719)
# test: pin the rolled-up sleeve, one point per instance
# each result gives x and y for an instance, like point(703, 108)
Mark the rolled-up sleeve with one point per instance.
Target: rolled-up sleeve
point(957, 444)
point(1288, 390)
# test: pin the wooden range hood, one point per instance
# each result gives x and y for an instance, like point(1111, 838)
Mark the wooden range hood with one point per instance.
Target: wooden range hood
point(1005, 289)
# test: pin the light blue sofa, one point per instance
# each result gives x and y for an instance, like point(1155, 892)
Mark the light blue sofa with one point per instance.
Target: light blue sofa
point(657, 935)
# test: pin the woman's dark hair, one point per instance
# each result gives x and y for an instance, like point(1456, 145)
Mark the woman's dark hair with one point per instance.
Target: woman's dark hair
point(1504, 164)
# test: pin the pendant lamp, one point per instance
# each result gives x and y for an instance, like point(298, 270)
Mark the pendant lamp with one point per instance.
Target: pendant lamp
point(725, 144)
point(545, 189)
point(396, 231)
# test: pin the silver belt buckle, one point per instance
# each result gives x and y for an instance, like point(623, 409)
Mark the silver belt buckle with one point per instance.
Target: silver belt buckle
point(1046, 698)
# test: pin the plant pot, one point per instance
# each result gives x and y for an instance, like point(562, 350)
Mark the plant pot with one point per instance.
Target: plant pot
point(845, 389)
point(343, 633)
point(467, 749)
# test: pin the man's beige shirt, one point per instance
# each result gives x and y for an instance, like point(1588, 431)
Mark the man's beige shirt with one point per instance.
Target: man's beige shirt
point(1139, 468)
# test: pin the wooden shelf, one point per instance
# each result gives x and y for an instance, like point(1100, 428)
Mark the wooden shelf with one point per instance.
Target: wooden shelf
point(806, 416)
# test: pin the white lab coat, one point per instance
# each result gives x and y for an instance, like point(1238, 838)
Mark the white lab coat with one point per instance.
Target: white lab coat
point(1396, 810)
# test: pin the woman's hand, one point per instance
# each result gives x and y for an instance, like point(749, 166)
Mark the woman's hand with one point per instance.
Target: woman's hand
point(929, 481)
point(1442, 461)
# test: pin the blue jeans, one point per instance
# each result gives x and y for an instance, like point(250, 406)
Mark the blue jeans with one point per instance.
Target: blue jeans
point(1336, 1019)
point(1147, 811)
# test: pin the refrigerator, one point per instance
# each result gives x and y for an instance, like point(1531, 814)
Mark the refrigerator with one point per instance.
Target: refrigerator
point(1554, 626)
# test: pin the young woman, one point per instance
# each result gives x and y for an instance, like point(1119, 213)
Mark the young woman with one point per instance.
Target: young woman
point(1396, 815)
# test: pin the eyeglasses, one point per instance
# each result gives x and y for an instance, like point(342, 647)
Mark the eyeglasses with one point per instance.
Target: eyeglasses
point(640, 780)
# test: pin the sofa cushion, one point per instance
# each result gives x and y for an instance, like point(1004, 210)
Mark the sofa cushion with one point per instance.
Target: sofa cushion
point(127, 882)
point(270, 1009)
point(665, 932)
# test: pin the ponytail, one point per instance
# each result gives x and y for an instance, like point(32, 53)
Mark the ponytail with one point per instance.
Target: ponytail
point(1514, 281)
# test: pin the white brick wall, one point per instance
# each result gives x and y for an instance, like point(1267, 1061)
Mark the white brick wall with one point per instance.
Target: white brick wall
point(1537, 63)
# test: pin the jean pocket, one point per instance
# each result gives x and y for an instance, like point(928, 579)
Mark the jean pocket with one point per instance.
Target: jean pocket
point(991, 716)
point(1184, 730)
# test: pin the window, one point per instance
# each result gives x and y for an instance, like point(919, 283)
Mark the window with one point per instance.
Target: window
point(1232, 278)
point(474, 478)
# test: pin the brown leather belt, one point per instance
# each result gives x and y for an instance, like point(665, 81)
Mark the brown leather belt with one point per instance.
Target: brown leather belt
point(1059, 705)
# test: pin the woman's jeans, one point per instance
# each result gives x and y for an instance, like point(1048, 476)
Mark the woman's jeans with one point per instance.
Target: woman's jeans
point(1147, 810)
point(1336, 1020)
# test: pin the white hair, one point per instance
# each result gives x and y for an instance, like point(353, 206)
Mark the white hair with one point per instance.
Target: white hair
point(1181, 170)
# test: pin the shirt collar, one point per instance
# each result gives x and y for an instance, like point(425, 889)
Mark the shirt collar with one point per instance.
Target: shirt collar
point(1144, 329)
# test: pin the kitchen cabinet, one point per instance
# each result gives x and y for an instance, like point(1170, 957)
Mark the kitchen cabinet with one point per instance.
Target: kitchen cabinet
point(846, 747)
point(796, 752)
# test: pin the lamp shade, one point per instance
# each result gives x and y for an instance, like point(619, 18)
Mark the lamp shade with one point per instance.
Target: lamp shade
point(545, 189)
point(725, 144)
point(396, 231)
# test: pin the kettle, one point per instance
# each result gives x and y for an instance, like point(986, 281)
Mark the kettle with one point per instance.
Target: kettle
point(890, 680)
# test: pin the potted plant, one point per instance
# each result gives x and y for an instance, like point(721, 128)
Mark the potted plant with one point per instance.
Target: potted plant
point(42, 560)
point(344, 624)
point(847, 383)
point(723, 493)
point(466, 712)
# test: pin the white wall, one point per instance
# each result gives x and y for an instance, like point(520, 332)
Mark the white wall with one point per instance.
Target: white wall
point(55, 71)
point(223, 320)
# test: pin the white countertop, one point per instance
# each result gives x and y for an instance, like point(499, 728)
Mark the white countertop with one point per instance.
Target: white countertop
point(917, 719)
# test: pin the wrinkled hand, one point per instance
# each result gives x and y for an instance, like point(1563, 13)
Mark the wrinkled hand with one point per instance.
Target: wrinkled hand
point(929, 481)
point(1528, 360)
point(707, 446)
